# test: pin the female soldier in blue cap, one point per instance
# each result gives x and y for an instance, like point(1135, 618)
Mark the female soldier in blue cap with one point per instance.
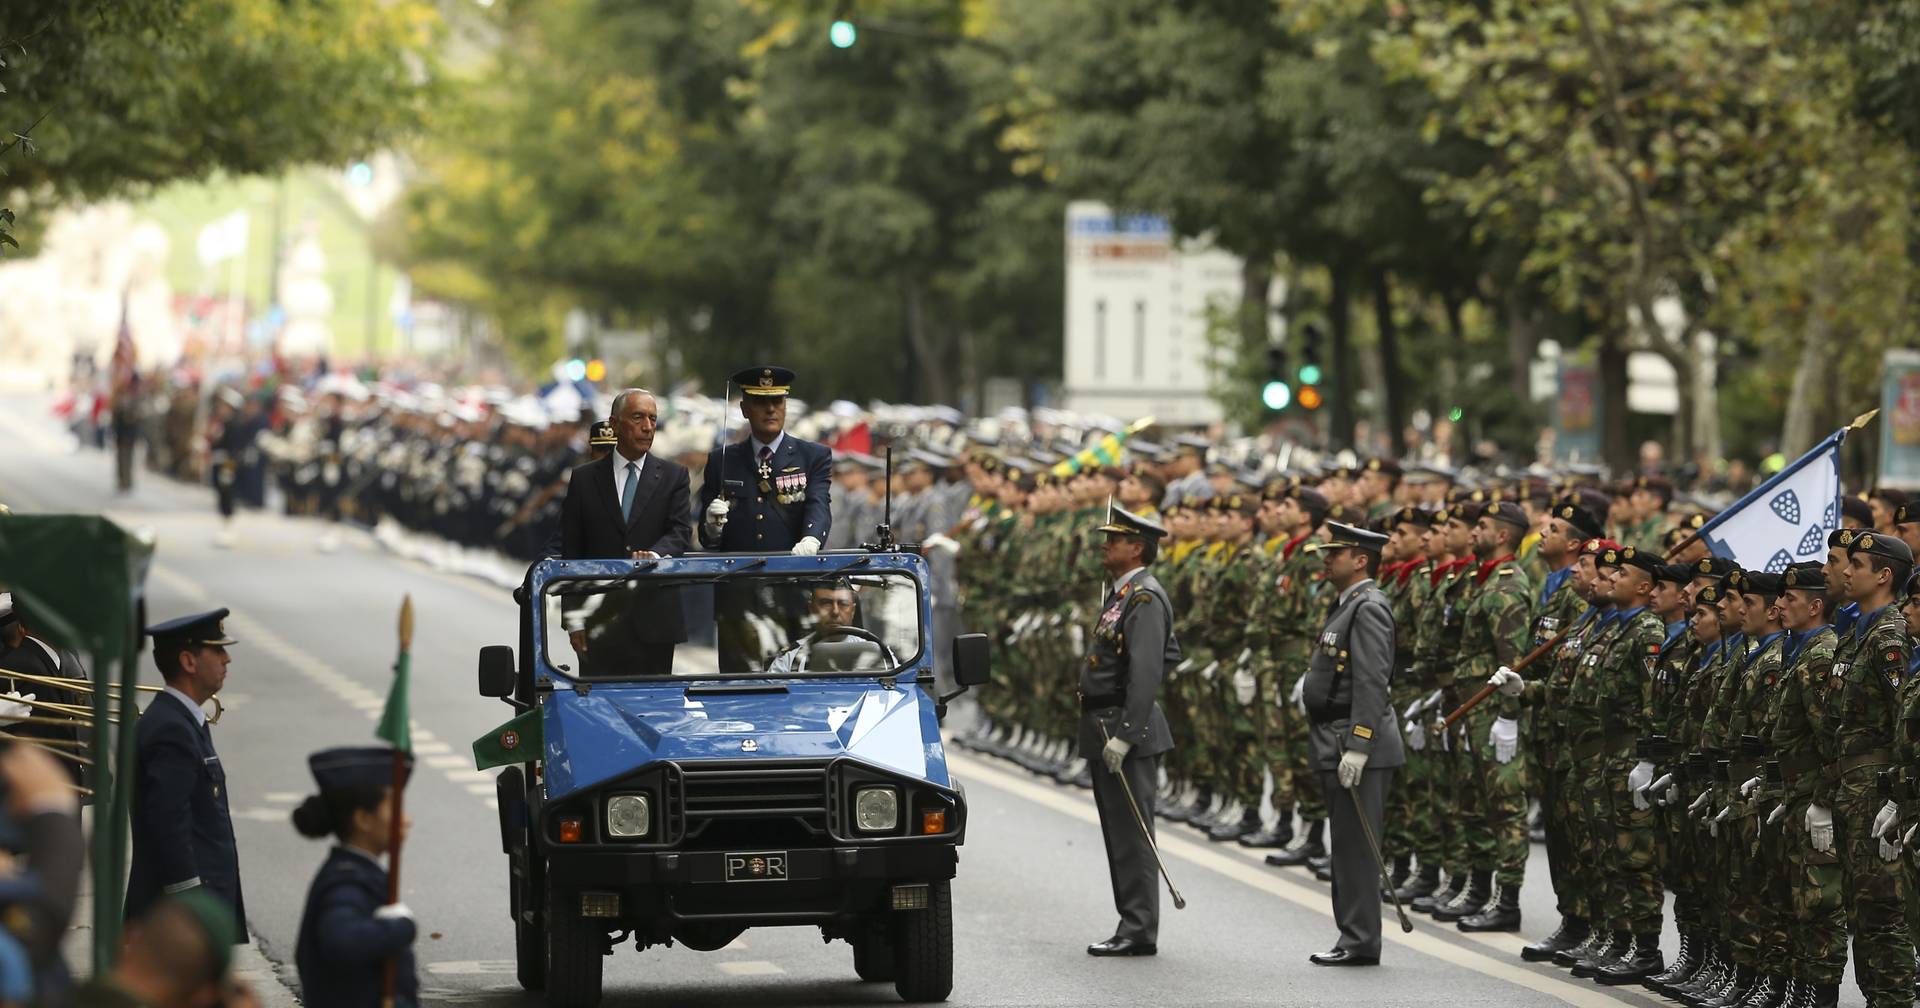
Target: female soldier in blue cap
point(349, 930)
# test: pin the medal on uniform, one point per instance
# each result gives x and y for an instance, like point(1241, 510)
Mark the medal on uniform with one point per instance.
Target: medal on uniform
point(766, 475)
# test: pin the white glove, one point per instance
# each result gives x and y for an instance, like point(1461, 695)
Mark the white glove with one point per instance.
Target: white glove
point(717, 516)
point(1414, 709)
point(1820, 828)
point(1779, 812)
point(1206, 674)
point(1299, 697)
point(1700, 803)
point(1886, 819)
point(1747, 789)
point(1078, 637)
point(1907, 841)
point(13, 706)
point(1416, 735)
point(1352, 763)
point(1638, 780)
point(1505, 739)
point(393, 911)
point(1245, 688)
point(1888, 850)
point(806, 547)
point(1115, 754)
point(939, 542)
point(1507, 681)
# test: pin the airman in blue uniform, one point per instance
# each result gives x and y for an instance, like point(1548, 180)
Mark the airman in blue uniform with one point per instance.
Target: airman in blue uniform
point(780, 485)
point(349, 931)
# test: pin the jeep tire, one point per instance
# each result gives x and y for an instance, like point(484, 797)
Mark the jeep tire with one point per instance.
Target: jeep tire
point(923, 947)
point(873, 948)
point(576, 953)
point(529, 924)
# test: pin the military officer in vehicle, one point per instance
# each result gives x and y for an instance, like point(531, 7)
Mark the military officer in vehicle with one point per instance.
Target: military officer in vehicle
point(1356, 742)
point(1123, 731)
point(782, 485)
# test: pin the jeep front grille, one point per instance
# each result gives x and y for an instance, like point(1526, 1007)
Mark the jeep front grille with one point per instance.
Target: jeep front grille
point(760, 802)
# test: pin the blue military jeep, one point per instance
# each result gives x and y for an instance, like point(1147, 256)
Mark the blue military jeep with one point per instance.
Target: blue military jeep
point(790, 773)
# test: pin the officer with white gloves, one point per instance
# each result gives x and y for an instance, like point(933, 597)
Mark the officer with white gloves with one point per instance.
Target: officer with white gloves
point(782, 486)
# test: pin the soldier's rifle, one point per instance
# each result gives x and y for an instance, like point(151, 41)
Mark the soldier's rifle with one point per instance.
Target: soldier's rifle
point(1486, 691)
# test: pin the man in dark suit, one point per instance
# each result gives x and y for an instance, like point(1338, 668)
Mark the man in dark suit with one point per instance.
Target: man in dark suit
point(182, 832)
point(1122, 729)
point(1356, 740)
point(781, 484)
point(628, 505)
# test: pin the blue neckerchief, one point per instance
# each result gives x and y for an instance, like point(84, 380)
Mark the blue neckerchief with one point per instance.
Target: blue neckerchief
point(1759, 648)
point(1867, 619)
point(1845, 617)
point(1800, 642)
point(1553, 582)
point(1913, 663)
point(1674, 630)
point(1606, 615)
point(1707, 656)
point(1622, 617)
point(1737, 643)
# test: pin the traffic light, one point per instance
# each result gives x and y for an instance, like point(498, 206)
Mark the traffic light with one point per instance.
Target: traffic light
point(1309, 374)
point(576, 369)
point(360, 174)
point(1310, 371)
point(1276, 394)
point(843, 34)
point(596, 370)
point(1310, 398)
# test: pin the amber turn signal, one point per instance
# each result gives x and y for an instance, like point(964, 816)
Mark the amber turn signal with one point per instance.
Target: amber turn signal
point(933, 821)
point(571, 829)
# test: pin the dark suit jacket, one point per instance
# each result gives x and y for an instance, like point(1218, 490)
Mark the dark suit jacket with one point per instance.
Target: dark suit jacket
point(662, 522)
point(759, 522)
point(343, 949)
point(1348, 679)
point(182, 831)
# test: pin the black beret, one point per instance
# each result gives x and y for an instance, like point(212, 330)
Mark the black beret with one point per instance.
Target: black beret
point(1509, 512)
point(1627, 556)
point(1857, 509)
point(1674, 573)
point(1582, 520)
point(1804, 576)
point(1708, 596)
point(1881, 544)
point(1413, 516)
point(1713, 567)
point(1762, 584)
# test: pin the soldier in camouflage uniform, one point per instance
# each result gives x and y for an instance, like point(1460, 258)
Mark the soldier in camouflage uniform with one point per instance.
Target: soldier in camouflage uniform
point(1467, 891)
point(1263, 626)
point(1759, 925)
point(1412, 819)
point(1295, 621)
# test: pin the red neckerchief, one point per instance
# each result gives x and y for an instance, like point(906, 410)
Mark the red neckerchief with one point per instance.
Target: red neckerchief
point(1486, 569)
point(1287, 553)
point(1439, 573)
point(1407, 569)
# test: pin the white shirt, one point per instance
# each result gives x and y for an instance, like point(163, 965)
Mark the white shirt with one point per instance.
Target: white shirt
point(772, 447)
point(1350, 589)
point(199, 716)
point(1121, 581)
point(620, 465)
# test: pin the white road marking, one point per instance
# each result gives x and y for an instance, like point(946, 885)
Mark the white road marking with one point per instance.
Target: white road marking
point(446, 761)
point(751, 967)
point(284, 796)
point(423, 748)
point(482, 789)
point(1248, 867)
point(465, 967)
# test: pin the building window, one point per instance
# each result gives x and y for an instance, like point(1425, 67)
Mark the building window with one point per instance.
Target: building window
point(1139, 341)
point(1100, 338)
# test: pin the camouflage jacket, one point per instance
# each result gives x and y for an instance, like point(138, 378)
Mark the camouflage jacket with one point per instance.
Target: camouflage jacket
point(1864, 692)
point(1493, 629)
point(1804, 739)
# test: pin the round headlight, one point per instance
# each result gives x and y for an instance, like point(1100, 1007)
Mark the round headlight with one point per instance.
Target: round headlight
point(876, 809)
point(629, 815)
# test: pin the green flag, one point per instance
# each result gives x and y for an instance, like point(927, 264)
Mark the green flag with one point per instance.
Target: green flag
point(517, 741)
point(396, 727)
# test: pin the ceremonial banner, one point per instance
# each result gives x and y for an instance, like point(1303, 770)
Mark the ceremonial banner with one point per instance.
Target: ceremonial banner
point(1786, 519)
point(1900, 435)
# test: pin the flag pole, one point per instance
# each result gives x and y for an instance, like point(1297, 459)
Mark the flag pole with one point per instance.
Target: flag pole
point(401, 744)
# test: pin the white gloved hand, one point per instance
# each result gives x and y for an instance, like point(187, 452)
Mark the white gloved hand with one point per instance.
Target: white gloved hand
point(1115, 754)
point(1245, 687)
point(1819, 821)
point(13, 706)
point(716, 518)
point(394, 911)
point(1507, 681)
point(1700, 803)
point(1416, 735)
point(1078, 638)
point(1907, 840)
point(806, 547)
point(1505, 739)
point(1886, 819)
point(1779, 812)
point(1207, 672)
point(1638, 780)
point(1299, 698)
point(1889, 851)
point(1413, 709)
point(1352, 763)
point(940, 542)
point(1747, 789)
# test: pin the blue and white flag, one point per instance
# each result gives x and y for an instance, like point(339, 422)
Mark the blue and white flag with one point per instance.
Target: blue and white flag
point(1785, 520)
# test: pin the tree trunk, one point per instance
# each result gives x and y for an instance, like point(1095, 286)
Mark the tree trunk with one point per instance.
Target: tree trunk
point(1523, 341)
point(1392, 401)
point(1256, 284)
point(1706, 396)
point(1612, 367)
point(1340, 389)
point(1810, 377)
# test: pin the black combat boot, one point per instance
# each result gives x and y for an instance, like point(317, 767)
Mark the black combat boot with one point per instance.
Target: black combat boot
point(1641, 961)
point(1769, 992)
point(1683, 965)
point(1502, 913)
point(1421, 885)
point(1246, 825)
point(1429, 903)
point(1470, 902)
point(1279, 836)
point(1732, 992)
point(1571, 932)
point(1823, 995)
point(1312, 847)
point(1402, 870)
point(1321, 867)
point(1795, 994)
point(1618, 947)
point(1712, 972)
point(1596, 939)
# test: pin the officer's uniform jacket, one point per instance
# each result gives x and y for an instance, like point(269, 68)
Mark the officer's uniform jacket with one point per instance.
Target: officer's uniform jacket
point(343, 948)
point(774, 509)
point(1347, 683)
point(1131, 649)
point(182, 832)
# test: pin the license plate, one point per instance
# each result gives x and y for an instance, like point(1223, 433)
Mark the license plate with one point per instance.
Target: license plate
point(757, 866)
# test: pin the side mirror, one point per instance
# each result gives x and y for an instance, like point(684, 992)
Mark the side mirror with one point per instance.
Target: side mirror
point(496, 671)
point(972, 660)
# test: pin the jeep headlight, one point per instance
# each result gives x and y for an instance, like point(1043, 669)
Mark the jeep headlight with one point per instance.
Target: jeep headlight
point(876, 809)
point(629, 815)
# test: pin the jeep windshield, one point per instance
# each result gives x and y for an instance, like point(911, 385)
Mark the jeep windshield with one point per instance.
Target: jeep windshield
point(735, 624)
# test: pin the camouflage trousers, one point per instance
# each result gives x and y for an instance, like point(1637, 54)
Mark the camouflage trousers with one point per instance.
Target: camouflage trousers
point(1760, 923)
point(1674, 852)
point(1817, 885)
point(1293, 754)
point(1413, 819)
point(1625, 833)
point(1557, 816)
point(1873, 892)
point(1471, 847)
point(1499, 840)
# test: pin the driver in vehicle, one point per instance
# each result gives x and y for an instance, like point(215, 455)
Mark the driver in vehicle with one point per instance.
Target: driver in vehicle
point(837, 643)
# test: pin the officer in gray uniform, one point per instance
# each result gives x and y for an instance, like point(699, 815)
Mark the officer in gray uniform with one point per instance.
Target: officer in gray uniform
point(1356, 744)
point(1122, 729)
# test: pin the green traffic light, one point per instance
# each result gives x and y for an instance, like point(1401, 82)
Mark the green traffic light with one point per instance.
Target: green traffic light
point(1455, 414)
point(1276, 395)
point(843, 34)
point(1309, 374)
